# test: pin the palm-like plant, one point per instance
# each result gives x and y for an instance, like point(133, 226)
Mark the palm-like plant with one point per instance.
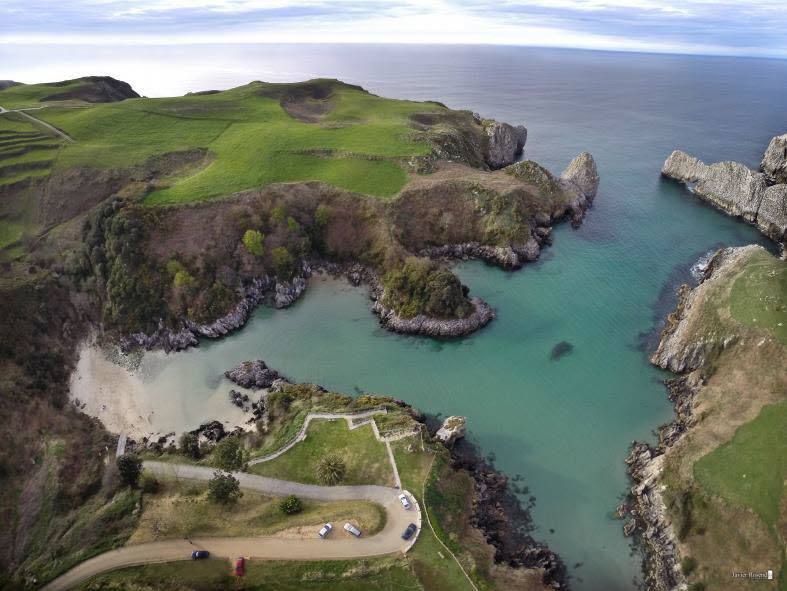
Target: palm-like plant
point(331, 470)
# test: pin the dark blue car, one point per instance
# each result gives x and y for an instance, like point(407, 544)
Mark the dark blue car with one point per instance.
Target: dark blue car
point(197, 554)
point(408, 533)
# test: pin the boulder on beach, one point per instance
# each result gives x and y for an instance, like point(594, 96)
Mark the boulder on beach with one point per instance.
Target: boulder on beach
point(253, 374)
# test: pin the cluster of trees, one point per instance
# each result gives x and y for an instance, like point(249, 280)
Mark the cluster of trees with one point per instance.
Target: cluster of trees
point(422, 286)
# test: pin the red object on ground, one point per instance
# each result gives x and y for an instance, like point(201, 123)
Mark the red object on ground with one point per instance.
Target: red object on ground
point(239, 568)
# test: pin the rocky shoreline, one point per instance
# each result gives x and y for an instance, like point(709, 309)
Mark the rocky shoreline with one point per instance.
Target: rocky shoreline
point(505, 523)
point(644, 509)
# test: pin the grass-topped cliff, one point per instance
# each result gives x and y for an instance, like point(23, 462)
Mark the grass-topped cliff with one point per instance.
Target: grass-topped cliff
point(718, 490)
point(170, 206)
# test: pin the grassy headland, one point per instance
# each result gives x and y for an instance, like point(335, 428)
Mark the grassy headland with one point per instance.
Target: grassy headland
point(724, 479)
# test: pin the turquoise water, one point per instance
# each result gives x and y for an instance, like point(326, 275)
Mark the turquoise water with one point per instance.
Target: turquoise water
point(564, 425)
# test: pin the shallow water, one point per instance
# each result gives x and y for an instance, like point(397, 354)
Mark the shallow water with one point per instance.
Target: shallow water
point(564, 424)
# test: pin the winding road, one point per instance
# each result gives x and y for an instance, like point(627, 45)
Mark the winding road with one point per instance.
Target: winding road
point(35, 121)
point(339, 545)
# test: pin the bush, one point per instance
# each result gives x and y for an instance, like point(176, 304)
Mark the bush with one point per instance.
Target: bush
point(224, 488)
point(291, 505)
point(189, 445)
point(421, 286)
point(252, 240)
point(229, 454)
point(283, 262)
point(129, 467)
point(149, 484)
point(331, 470)
point(687, 565)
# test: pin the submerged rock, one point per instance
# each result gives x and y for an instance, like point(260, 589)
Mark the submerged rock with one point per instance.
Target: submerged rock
point(505, 143)
point(561, 349)
point(253, 374)
point(774, 161)
point(453, 428)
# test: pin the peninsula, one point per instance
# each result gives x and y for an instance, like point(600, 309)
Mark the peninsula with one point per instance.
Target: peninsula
point(155, 223)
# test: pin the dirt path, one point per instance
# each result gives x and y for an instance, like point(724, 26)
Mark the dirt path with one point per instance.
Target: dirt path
point(38, 122)
point(338, 546)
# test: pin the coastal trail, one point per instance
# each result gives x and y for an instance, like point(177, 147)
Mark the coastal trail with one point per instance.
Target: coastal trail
point(38, 122)
point(337, 546)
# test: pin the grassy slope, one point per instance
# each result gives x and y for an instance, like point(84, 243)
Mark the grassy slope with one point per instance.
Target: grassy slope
point(345, 575)
point(182, 509)
point(364, 456)
point(725, 478)
point(355, 145)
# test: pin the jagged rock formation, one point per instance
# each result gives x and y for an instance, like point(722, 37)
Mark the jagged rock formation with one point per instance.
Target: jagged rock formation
point(736, 189)
point(253, 374)
point(453, 428)
point(582, 174)
point(774, 161)
point(481, 315)
point(505, 143)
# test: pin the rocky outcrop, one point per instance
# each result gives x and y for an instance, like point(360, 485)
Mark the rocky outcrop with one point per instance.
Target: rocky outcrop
point(253, 374)
point(481, 315)
point(287, 292)
point(508, 257)
point(680, 349)
point(237, 317)
point(735, 189)
point(774, 161)
point(772, 215)
point(581, 174)
point(453, 428)
point(504, 143)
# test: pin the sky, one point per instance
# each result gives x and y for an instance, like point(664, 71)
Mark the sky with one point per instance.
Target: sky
point(716, 27)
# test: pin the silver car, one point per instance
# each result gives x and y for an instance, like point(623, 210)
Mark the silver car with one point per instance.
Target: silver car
point(352, 529)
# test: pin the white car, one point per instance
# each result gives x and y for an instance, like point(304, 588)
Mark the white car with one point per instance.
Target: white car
point(326, 529)
point(352, 529)
point(404, 501)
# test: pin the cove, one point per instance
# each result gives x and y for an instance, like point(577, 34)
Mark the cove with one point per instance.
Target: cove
point(565, 424)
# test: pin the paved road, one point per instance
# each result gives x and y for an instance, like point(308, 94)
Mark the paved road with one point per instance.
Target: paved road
point(339, 545)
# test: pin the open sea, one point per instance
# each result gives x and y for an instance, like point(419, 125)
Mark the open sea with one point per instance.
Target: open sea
point(565, 425)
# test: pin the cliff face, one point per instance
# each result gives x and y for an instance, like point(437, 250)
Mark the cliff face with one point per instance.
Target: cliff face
point(736, 189)
point(774, 162)
point(726, 340)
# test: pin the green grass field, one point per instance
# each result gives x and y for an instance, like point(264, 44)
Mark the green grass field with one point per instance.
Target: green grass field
point(364, 456)
point(751, 469)
point(356, 143)
point(759, 296)
point(385, 574)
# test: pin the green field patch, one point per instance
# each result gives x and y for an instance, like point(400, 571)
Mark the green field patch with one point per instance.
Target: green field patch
point(390, 573)
point(750, 470)
point(759, 295)
point(357, 145)
point(10, 231)
point(365, 457)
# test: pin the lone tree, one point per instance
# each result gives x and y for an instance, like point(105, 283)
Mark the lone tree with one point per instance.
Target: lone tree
point(229, 454)
point(252, 240)
point(291, 505)
point(189, 445)
point(129, 467)
point(224, 488)
point(331, 470)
